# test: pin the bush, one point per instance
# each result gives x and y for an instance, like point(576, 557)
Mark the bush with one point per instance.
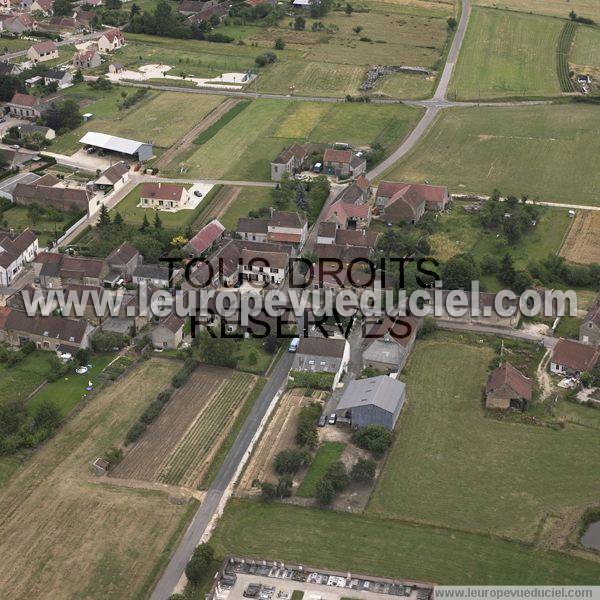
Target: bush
point(164, 397)
point(324, 491)
point(306, 434)
point(135, 433)
point(338, 477)
point(315, 381)
point(262, 60)
point(375, 438)
point(151, 412)
point(291, 460)
point(114, 456)
point(363, 470)
point(268, 491)
point(28, 347)
point(105, 341)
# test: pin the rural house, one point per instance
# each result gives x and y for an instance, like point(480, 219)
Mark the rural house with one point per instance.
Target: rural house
point(15, 253)
point(253, 230)
point(326, 232)
point(281, 227)
point(205, 240)
point(111, 40)
point(357, 192)
point(114, 177)
point(164, 196)
point(349, 216)
point(404, 207)
point(571, 358)
point(24, 106)
point(17, 23)
point(261, 266)
point(87, 59)
point(51, 191)
point(155, 275)
point(31, 128)
point(322, 355)
point(62, 78)
point(123, 261)
point(507, 387)
point(372, 401)
point(343, 163)
point(589, 331)
point(436, 197)
point(389, 343)
point(168, 334)
point(42, 52)
point(72, 270)
point(42, 6)
point(47, 333)
point(291, 160)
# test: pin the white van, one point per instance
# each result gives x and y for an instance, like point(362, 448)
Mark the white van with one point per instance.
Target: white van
point(294, 345)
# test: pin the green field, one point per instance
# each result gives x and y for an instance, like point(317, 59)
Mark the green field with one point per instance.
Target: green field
point(507, 54)
point(328, 453)
point(481, 475)
point(159, 117)
point(244, 148)
point(21, 379)
point(586, 48)
point(546, 152)
point(555, 8)
point(365, 544)
point(250, 198)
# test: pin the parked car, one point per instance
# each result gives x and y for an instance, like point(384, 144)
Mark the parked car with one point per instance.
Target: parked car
point(294, 345)
point(198, 193)
point(332, 418)
point(322, 421)
point(252, 591)
point(15, 146)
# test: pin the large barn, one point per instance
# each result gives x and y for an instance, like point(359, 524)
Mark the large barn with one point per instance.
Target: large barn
point(133, 150)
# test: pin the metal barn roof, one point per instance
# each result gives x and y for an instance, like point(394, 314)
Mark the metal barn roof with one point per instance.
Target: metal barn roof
point(111, 142)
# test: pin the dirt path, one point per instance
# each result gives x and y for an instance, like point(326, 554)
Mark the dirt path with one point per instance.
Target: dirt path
point(220, 204)
point(184, 143)
point(543, 377)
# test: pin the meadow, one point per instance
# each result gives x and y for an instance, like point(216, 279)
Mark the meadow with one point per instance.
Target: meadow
point(385, 547)
point(326, 455)
point(157, 118)
point(481, 475)
point(586, 48)
point(244, 148)
point(249, 198)
point(545, 152)
point(555, 8)
point(507, 54)
point(123, 535)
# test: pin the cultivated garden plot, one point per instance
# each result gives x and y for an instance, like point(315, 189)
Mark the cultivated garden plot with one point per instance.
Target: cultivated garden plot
point(178, 447)
point(506, 54)
point(546, 152)
point(53, 504)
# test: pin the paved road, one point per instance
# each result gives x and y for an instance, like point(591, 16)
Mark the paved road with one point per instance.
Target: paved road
point(549, 342)
point(208, 509)
point(433, 106)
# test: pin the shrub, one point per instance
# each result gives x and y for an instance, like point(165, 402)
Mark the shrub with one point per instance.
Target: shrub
point(363, 470)
point(268, 491)
point(114, 456)
point(198, 567)
point(338, 477)
point(151, 412)
point(324, 491)
point(291, 460)
point(135, 433)
point(163, 397)
point(316, 381)
point(375, 438)
point(106, 341)
point(306, 434)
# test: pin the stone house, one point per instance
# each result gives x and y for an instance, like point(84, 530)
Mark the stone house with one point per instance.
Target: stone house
point(87, 59)
point(124, 260)
point(111, 40)
point(291, 160)
point(349, 216)
point(168, 334)
point(43, 52)
point(506, 388)
point(571, 359)
point(343, 163)
point(322, 355)
point(15, 253)
point(24, 106)
point(436, 197)
point(589, 331)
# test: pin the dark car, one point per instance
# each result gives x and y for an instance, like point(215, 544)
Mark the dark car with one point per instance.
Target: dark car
point(322, 420)
point(252, 590)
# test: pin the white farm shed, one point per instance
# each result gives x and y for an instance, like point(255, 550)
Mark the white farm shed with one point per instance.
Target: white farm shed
point(112, 143)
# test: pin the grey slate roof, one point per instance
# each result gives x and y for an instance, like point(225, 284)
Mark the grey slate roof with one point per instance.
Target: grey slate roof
point(382, 391)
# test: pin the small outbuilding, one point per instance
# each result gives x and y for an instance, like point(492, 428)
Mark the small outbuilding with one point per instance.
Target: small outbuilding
point(372, 401)
point(507, 387)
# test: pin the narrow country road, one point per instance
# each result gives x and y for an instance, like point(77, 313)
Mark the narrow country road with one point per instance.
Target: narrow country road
point(225, 477)
point(433, 106)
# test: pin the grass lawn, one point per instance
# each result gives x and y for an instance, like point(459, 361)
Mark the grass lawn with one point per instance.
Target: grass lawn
point(68, 391)
point(250, 198)
point(244, 148)
point(507, 54)
point(555, 8)
point(366, 544)
point(122, 535)
point(585, 416)
point(477, 470)
point(546, 152)
point(158, 117)
point(18, 218)
point(328, 453)
point(8, 45)
point(20, 380)
point(568, 327)
point(252, 356)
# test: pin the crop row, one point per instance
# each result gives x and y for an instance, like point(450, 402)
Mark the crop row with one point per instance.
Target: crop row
point(205, 431)
point(563, 49)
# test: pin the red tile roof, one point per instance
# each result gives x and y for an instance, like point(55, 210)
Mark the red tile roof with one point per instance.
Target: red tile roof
point(576, 356)
point(207, 236)
point(339, 156)
point(162, 191)
point(45, 47)
point(506, 374)
point(292, 238)
point(24, 99)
